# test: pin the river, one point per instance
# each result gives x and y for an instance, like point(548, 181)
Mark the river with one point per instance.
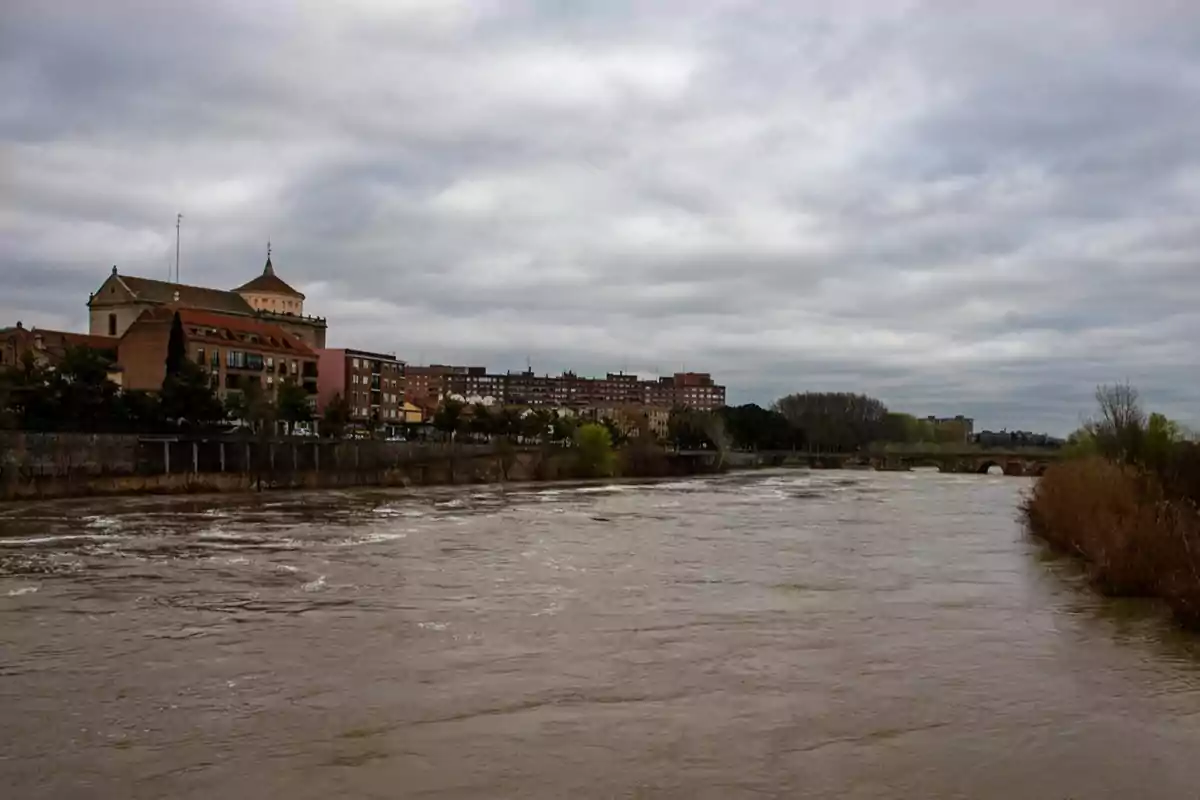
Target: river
point(775, 634)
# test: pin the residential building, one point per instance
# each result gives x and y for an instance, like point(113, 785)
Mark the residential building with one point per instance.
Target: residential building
point(684, 390)
point(528, 389)
point(659, 420)
point(48, 347)
point(373, 384)
point(476, 385)
point(122, 299)
point(413, 415)
point(237, 351)
point(432, 383)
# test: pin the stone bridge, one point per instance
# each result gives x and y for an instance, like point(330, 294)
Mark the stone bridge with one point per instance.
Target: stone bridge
point(1026, 461)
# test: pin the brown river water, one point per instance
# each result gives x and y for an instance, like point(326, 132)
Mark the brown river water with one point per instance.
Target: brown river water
point(776, 634)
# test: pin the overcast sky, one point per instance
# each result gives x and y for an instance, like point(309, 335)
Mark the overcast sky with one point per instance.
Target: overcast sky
point(979, 208)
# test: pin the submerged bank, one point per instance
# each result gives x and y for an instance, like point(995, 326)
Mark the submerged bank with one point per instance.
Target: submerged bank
point(1138, 538)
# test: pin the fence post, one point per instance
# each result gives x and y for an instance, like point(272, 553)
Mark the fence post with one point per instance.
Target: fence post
point(195, 458)
point(246, 463)
point(222, 456)
point(295, 466)
point(166, 457)
point(356, 448)
point(316, 456)
point(271, 454)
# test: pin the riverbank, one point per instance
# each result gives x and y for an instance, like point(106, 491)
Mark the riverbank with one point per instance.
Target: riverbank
point(1137, 536)
point(59, 466)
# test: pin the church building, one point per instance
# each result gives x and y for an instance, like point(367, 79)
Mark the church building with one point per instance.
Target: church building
point(121, 299)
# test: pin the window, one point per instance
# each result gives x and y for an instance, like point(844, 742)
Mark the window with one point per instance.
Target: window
point(270, 362)
point(112, 324)
point(200, 356)
point(295, 368)
point(236, 359)
point(215, 363)
point(270, 380)
point(356, 363)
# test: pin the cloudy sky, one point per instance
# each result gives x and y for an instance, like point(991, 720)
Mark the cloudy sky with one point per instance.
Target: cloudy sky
point(959, 207)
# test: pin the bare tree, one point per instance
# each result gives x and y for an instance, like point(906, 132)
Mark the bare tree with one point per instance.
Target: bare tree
point(1121, 424)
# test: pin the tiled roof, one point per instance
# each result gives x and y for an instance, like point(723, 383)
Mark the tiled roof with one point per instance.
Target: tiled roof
point(269, 282)
point(233, 328)
point(86, 340)
point(270, 335)
point(194, 296)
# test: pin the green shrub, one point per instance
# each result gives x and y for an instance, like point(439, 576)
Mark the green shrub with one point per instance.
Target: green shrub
point(593, 451)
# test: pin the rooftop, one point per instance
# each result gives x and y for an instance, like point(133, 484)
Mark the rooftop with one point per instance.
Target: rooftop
point(227, 328)
point(269, 283)
point(155, 291)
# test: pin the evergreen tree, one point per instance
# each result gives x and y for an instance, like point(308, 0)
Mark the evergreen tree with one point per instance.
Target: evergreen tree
point(176, 347)
point(336, 417)
point(292, 403)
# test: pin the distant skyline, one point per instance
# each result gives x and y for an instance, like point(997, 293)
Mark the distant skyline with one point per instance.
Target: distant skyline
point(979, 209)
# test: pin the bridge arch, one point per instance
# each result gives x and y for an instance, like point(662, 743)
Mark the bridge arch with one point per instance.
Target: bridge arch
point(986, 465)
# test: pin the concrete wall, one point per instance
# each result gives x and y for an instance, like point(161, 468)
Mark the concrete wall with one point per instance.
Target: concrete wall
point(77, 465)
point(66, 465)
point(126, 315)
point(113, 298)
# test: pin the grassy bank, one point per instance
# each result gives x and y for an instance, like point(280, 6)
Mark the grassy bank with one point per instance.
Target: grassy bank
point(1131, 514)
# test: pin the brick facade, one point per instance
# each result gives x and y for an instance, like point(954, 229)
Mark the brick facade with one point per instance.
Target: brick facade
point(373, 384)
point(236, 351)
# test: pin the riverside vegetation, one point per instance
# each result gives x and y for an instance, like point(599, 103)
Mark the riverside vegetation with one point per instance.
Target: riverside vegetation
point(1125, 500)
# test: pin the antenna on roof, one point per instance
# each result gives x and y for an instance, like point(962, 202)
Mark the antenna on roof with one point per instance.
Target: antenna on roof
point(178, 220)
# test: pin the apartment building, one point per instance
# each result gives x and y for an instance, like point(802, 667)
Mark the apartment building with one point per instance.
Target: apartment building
point(474, 385)
point(616, 389)
point(238, 352)
point(372, 383)
point(430, 384)
point(684, 390)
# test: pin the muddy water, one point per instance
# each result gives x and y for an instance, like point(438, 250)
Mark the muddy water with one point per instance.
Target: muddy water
point(792, 634)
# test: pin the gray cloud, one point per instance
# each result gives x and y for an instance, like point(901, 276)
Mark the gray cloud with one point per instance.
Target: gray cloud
point(957, 207)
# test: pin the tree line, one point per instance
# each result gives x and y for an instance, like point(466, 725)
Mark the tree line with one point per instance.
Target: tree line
point(833, 422)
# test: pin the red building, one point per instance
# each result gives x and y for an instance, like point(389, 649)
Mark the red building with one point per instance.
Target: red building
point(372, 383)
point(49, 346)
point(237, 351)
